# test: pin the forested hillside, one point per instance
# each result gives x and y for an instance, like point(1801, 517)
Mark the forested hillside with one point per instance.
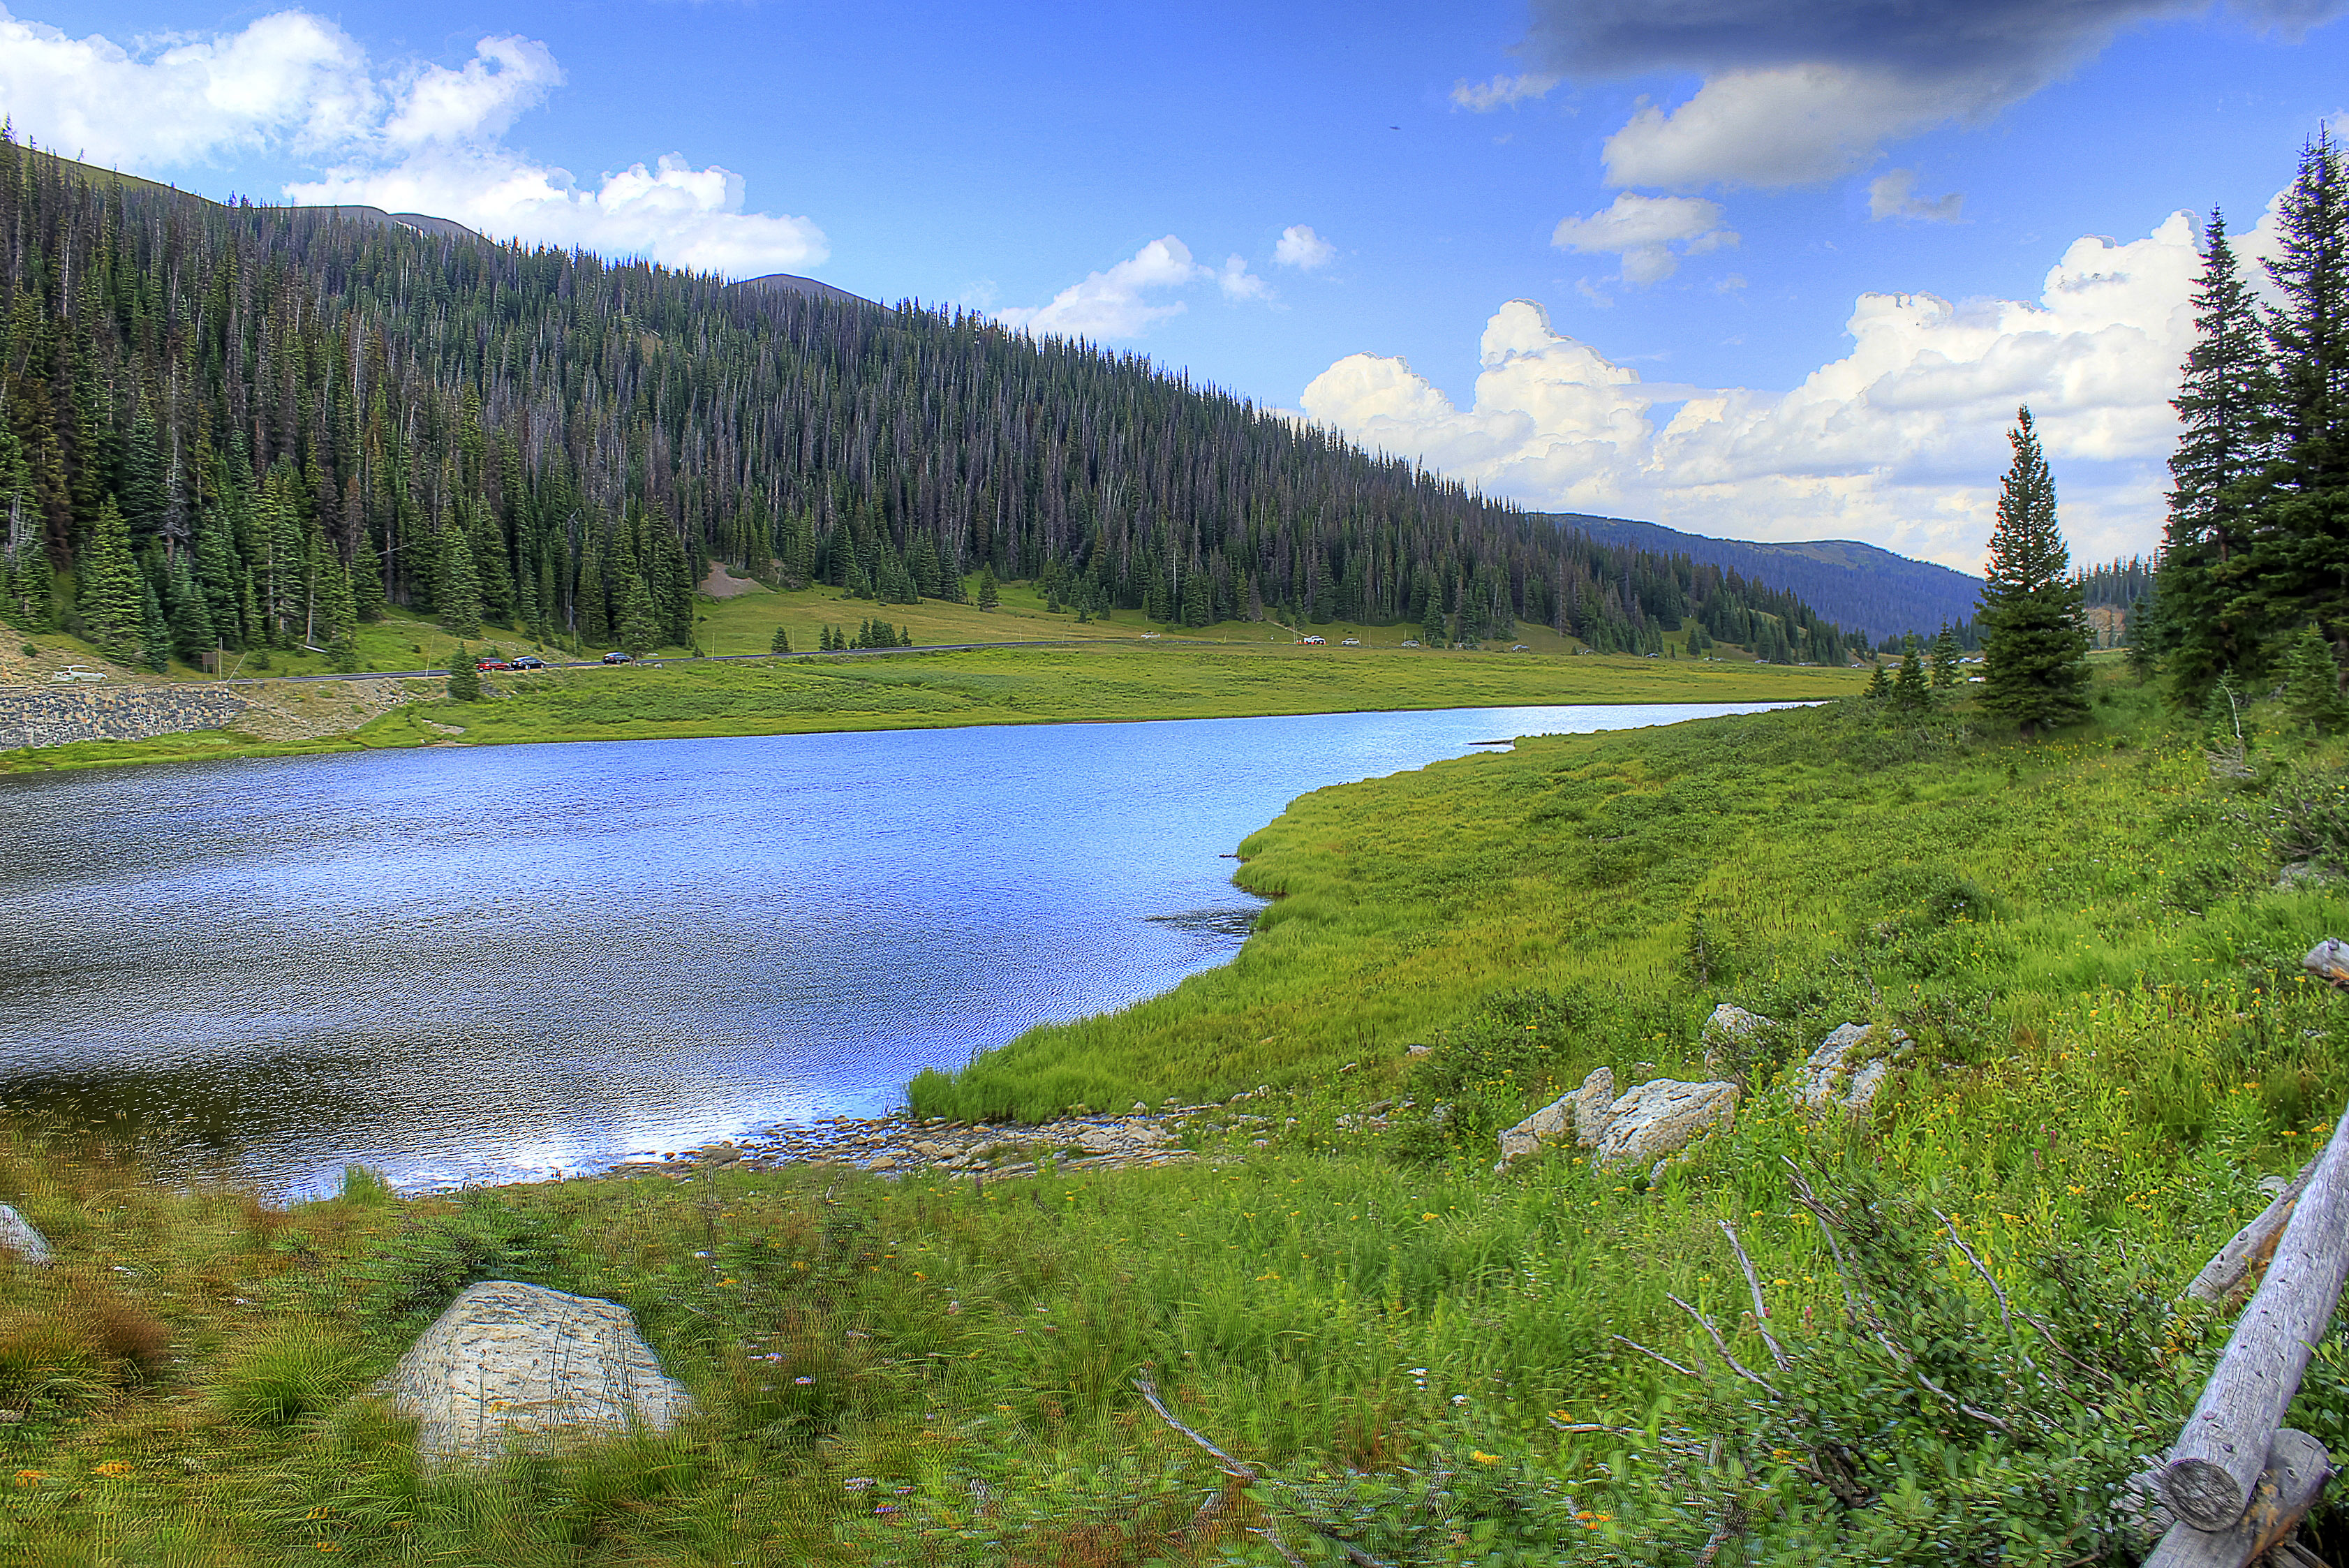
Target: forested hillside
point(1860, 586)
point(251, 426)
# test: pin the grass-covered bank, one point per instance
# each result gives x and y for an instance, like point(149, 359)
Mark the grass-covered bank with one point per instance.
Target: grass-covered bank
point(1083, 683)
point(2084, 937)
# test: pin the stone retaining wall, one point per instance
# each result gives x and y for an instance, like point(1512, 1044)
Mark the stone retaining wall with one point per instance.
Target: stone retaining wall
point(44, 715)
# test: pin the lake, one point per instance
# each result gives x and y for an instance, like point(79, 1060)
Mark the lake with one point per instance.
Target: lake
point(472, 964)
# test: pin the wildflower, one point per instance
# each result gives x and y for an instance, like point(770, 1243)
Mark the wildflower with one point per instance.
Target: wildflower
point(1482, 1458)
point(31, 1478)
point(111, 1468)
point(802, 1382)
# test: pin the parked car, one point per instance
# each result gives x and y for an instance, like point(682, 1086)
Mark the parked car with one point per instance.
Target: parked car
point(1352, 642)
point(530, 661)
point(616, 657)
point(486, 665)
point(1517, 648)
point(1410, 642)
point(1313, 643)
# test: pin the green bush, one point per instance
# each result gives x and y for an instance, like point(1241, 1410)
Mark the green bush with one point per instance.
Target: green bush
point(2308, 816)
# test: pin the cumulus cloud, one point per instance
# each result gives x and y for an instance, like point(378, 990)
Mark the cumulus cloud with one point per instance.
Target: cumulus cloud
point(1126, 300)
point(1900, 441)
point(1301, 248)
point(1501, 91)
point(1786, 125)
point(1643, 229)
point(1893, 194)
point(1797, 91)
point(414, 137)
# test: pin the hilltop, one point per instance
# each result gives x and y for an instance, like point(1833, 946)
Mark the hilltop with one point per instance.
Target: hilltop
point(1858, 587)
point(254, 429)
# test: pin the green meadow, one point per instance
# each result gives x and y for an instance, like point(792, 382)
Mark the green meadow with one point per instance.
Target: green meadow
point(1074, 682)
point(1419, 1360)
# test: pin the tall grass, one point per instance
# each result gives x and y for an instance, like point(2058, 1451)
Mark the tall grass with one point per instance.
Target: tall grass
point(2113, 1046)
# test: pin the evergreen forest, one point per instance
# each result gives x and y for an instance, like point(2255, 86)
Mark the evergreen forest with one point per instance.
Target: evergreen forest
point(247, 427)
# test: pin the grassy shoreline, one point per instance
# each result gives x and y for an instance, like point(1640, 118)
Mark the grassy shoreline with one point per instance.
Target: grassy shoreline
point(2084, 937)
point(1103, 683)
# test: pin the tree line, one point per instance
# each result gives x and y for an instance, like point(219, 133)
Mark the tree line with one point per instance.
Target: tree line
point(2255, 555)
point(248, 427)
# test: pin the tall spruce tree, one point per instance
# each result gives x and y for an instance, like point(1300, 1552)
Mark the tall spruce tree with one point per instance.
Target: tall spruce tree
point(2225, 406)
point(2035, 637)
point(640, 625)
point(110, 592)
point(2301, 556)
point(457, 591)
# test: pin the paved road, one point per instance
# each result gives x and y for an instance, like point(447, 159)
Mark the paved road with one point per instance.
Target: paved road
point(739, 658)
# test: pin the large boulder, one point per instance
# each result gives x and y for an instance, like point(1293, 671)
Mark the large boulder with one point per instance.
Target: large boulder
point(1727, 1034)
point(1591, 1105)
point(510, 1359)
point(2328, 960)
point(1544, 1126)
point(1663, 1117)
point(20, 1240)
point(1849, 1067)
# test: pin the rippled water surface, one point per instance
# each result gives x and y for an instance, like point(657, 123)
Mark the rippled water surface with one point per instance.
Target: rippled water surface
point(464, 964)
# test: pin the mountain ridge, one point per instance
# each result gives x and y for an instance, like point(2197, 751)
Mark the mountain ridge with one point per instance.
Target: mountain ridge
point(1860, 587)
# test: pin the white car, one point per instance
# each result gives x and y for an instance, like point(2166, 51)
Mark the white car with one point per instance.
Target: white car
point(1352, 642)
point(1409, 642)
point(76, 672)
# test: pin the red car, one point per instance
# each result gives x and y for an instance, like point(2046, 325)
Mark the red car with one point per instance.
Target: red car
point(488, 664)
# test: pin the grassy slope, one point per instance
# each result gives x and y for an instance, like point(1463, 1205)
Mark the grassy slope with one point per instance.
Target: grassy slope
point(2081, 936)
point(1170, 680)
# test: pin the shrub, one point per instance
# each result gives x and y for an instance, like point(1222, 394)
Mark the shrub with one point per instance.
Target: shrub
point(2308, 816)
point(284, 1378)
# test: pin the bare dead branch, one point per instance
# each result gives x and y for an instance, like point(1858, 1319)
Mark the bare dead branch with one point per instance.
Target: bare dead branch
point(1231, 1467)
point(1721, 1346)
point(1731, 1523)
point(1658, 1355)
point(1760, 1308)
point(2005, 1319)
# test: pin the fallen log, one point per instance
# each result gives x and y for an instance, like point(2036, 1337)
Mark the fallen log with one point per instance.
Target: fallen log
point(2219, 1457)
point(2296, 1471)
point(2252, 1243)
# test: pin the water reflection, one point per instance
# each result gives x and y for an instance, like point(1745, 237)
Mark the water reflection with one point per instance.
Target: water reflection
point(463, 964)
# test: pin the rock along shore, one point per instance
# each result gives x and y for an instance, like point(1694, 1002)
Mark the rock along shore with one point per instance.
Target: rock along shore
point(902, 1144)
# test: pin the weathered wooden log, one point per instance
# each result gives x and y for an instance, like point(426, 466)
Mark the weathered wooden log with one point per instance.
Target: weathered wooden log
point(2252, 1243)
point(2288, 1488)
point(2217, 1458)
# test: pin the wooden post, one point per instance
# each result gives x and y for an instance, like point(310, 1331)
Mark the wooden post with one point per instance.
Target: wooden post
point(2219, 1457)
point(2253, 1244)
point(2296, 1471)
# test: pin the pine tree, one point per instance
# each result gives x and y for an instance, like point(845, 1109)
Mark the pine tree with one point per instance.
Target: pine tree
point(781, 642)
point(31, 583)
point(2035, 637)
point(640, 626)
point(2300, 566)
point(154, 631)
point(1879, 686)
point(1910, 689)
point(1430, 630)
point(988, 596)
point(2312, 684)
point(464, 676)
point(190, 616)
point(458, 591)
point(110, 595)
point(2224, 408)
point(2145, 635)
point(1946, 656)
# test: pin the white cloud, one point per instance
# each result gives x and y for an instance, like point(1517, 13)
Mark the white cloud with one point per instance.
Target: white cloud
point(1118, 302)
point(1238, 283)
point(1301, 248)
point(1772, 127)
point(1125, 300)
point(1893, 194)
point(290, 79)
point(1900, 441)
point(1501, 91)
point(1642, 229)
point(416, 137)
point(505, 77)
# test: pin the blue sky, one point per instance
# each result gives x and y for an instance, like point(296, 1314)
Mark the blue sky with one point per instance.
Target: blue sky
point(1697, 200)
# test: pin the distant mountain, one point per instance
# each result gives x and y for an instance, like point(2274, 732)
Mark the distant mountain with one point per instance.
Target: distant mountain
point(1856, 586)
point(789, 283)
point(446, 228)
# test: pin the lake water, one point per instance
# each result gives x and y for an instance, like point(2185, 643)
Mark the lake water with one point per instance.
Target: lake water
point(468, 964)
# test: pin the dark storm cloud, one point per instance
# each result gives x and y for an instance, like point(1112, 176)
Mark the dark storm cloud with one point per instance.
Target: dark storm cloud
point(1921, 39)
